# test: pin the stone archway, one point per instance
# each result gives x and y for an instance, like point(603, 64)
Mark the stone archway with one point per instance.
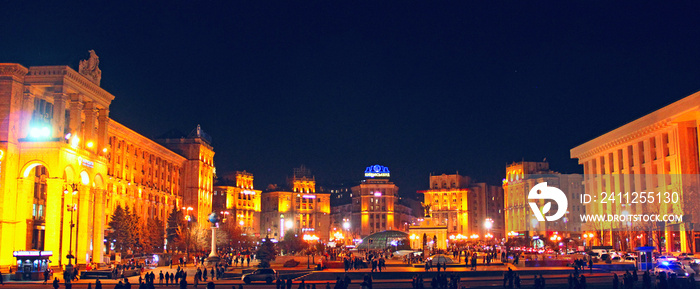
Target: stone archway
point(32, 205)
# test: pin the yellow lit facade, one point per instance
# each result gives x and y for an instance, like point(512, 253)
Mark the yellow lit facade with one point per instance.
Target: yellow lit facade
point(662, 145)
point(463, 207)
point(242, 202)
point(143, 175)
point(59, 149)
point(197, 176)
point(520, 178)
point(373, 204)
point(301, 209)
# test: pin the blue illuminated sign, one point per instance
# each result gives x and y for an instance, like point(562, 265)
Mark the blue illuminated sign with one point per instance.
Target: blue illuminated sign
point(377, 171)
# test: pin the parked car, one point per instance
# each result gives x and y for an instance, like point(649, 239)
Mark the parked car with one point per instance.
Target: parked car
point(630, 259)
point(267, 275)
point(669, 268)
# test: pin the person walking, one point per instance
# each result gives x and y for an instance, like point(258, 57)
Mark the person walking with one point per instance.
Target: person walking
point(46, 276)
point(55, 283)
point(98, 284)
point(289, 283)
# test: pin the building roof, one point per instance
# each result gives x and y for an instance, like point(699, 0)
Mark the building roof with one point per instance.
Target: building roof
point(383, 240)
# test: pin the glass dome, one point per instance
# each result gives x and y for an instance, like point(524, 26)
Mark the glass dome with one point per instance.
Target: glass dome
point(396, 240)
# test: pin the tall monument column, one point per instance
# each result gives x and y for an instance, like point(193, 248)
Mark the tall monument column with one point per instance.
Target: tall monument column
point(213, 258)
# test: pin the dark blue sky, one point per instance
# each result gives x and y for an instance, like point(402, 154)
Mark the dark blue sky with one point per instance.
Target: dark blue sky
point(340, 85)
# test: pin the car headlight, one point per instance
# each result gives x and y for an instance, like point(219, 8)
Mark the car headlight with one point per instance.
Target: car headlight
point(686, 274)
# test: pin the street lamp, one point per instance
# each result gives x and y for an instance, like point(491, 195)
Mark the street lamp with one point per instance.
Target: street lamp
point(71, 208)
point(189, 219)
point(67, 189)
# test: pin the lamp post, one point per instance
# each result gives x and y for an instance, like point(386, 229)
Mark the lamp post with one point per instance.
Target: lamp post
point(67, 188)
point(71, 208)
point(189, 218)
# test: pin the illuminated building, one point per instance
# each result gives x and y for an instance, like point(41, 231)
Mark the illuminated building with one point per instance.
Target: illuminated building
point(240, 200)
point(520, 178)
point(197, 177)
point(655, 153)
point(463, 207)
point(300, 208)
point(63, 160)
point(375, 204)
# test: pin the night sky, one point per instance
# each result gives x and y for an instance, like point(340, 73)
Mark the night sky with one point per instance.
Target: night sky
point(419, 87)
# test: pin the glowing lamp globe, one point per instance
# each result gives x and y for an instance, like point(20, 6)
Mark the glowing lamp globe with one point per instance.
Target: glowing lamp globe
point(213, 218)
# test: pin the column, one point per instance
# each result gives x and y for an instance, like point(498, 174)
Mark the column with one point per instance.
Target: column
point(26, 116)
point(76, 111)
point(102, 124)
point(98, 226)
point(59, 115)
point(54, 200)
point(81, 241)
point(90, 122)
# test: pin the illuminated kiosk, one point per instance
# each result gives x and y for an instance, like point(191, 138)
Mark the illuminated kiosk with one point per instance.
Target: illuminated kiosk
point(31, 264)
point(395, 240)
point(645, 261)
point(213, 258)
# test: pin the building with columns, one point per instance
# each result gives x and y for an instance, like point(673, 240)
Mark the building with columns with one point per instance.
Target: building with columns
point(299, 208)
point(523, 176)
point(463, 207)
point(197, 176)
point(63, 160)
point(655, 153)
point(239, 201)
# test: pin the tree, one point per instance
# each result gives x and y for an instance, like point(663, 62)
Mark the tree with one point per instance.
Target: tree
point(120, 230)
point(266, 253)
point(236, 239)
point(152, 232)
point(174, 230)
point(292, 243)
point(133, 222)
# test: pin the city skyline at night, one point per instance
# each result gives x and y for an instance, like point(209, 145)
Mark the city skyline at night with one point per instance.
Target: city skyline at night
point(418, 88)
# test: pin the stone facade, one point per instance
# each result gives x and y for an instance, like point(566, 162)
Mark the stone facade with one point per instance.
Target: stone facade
point(300, 209)
point(59, 150)
point(241, 201)
point(520, 178)
point(662, 145)
point(462, 206)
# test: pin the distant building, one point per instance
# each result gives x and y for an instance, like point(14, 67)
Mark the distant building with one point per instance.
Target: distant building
point(240, 203)
point(198, 171)
point(299, 208)
point(523, 176)
point(464, 207)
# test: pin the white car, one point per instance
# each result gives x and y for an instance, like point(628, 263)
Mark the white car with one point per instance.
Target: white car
point(669, 268)
point(630, 259)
